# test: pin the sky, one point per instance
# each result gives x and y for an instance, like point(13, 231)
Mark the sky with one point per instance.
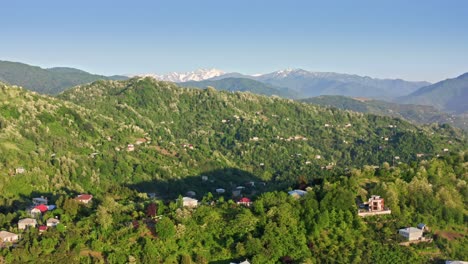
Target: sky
point(412, 40)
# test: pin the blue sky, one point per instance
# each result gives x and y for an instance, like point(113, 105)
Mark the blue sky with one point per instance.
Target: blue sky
point(414, 40)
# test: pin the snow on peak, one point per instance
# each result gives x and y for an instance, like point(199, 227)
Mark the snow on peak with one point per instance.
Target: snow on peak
point(197, 75)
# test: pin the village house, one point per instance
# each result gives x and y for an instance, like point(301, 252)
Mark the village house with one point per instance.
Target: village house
point(245, 201)
point(204, 178)
point(130, 147)
point(220, 191)
point(42, 228)
point(20, 170)
point(39, 200)
point(189, 202)
point(52, 222)
point(374, 206)
point(419, 155)
point(8, 237)
point(318, 157)
point(297, 193)
point(27, 222)
point(84, 198)
point(38, 210)
point(411, 233)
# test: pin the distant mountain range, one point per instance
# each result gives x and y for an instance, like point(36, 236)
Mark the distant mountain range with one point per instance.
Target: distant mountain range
point(47, 81)
point(197, 75)
point(308, 84)
point(450, 95)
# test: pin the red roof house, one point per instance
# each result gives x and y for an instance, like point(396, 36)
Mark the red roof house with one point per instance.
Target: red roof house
point(84, 198)
point(43, 208)
point(245, 201)
point(42, 228)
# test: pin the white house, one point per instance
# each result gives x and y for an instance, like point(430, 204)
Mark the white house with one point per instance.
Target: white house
point(51, 222)
point(27, 222)
point(189, 202)
point(20, 170)
point(6, 236)
point(220, 190)
point(411, 233)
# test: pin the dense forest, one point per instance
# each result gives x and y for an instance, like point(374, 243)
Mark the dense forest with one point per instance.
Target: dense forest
point(124, 140)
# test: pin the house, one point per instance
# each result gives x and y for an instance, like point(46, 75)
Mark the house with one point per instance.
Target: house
point(220, 191)
point(42, 208)
point(34, 212)
point(236, 193)
point(27, 222)
point(376, 203)
point(204, 178)
point(52, 222)
point(42, 228)
point(244, 201)
point(84, 198)
point(189, 202)
point(6, 237)
point(297, 193)
point(446, 149)
point(318, 157)
point(411, 233)
point(327, 125)
point(39, 201)
point(51, 207)
point(240, 188)
point(374, 206)
point(419, 155)
point(130, 147)
point(456, 262)
point(20, 170)
point(348, 125)
point(254, 139)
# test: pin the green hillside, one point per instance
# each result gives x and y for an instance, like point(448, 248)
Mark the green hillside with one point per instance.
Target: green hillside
point(78, 143)
point(243, 85)
point(46, 81)
point(422, 114)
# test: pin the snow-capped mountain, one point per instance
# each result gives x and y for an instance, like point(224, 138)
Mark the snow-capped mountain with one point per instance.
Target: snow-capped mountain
point(198, 75)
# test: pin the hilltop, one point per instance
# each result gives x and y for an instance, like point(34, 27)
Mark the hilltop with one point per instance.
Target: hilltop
point(47, 81)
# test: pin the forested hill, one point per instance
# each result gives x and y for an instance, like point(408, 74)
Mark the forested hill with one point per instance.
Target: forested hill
point(243, 85)
point(47, 81)
point(243, 129)
point(117, 140)
point(422, 114)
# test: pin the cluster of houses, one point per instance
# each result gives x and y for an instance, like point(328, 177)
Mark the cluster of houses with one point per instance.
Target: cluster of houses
point(40, 205)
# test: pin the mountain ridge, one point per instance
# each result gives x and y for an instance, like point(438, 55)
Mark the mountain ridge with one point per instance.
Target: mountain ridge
point(450, 95)
point(47, 81)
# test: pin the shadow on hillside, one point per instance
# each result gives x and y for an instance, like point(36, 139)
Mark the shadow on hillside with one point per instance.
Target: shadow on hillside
point(228, 179)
